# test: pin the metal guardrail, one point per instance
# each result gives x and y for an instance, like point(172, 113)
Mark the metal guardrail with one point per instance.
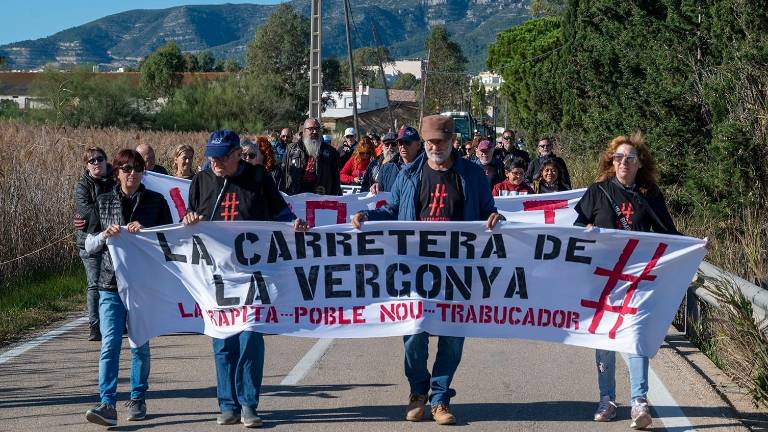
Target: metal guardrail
point(699, 297)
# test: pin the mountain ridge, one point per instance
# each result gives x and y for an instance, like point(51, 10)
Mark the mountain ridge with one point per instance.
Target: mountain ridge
point(124, 38)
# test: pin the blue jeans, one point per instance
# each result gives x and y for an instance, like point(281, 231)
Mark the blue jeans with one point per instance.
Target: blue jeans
point(606, 374)
point(92, 264)
point(239, 361)
point(449, 350)
point(113, 313)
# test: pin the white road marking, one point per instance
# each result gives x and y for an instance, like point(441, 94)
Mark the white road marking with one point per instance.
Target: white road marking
point(21, 349)
point(307, 362)
point(665, 406)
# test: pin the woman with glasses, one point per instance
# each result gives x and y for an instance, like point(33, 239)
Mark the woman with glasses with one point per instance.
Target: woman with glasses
point(128, 204)
point(353, 171)
point(626, 196)
point(95, 180)
point(183, 156)
point(550, 178)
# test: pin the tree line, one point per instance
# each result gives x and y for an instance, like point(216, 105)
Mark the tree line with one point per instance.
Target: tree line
point(691, 74)
point(269, 91)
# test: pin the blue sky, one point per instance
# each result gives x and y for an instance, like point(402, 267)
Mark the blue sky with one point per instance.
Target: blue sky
point(33, 19)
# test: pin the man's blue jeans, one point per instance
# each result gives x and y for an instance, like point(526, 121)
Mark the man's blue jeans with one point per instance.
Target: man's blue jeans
point(112, 322)
point(606, 374)
point(449, 350)
point(239, 361)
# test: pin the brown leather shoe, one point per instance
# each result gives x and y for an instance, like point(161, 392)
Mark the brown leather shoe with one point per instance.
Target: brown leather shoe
point(416, 405)
point(442, 415)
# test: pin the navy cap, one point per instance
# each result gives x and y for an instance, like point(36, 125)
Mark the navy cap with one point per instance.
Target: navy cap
point(221, 143)
point(408, 134)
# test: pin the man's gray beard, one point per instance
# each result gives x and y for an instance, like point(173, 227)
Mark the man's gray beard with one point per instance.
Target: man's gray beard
point(312, 146)
point(388, 155)
point(438, 159)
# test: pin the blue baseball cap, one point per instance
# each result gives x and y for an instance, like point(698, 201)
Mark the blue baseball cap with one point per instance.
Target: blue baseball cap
point(221, 143)
point(408, 134)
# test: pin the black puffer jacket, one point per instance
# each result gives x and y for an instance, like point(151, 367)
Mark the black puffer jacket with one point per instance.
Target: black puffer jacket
point(86, 191)
point(149, 209)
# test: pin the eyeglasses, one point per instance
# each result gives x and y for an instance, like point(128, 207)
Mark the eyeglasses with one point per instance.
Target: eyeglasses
point(128, 168)
point(312, 128)
point(283, 136)
point(507, 137)
point(631, 158)
point(405, 143)
point(249, 156)
point(364, 154)
point(96, 160)
point(516, 172)
point(389, 143)
point(545, 145)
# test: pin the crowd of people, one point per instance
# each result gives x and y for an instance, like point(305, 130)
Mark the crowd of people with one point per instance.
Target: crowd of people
point(415, 166)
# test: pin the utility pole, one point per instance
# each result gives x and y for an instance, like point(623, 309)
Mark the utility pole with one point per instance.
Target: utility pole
point(316, 61)
point(351, 68)
point(424, 71)
point(383, 77)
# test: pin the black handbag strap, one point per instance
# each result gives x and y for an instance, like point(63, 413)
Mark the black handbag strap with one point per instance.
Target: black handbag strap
point(622, 219)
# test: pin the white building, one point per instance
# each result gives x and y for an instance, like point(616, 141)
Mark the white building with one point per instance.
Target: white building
point(490, 80)
point(340, 104)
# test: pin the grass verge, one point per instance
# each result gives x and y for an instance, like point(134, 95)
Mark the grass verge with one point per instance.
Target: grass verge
point(29, 303)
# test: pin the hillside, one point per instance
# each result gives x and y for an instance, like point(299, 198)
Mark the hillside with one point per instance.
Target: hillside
point(124, 38)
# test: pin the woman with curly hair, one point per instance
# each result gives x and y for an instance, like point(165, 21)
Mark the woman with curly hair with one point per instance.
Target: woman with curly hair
point(354, 169)
point(626, 196)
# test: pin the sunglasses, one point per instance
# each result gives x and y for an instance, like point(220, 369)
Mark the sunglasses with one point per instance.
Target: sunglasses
point(96, 160)
point(631, 158)
point(128, 168)
point(283, 136)
point(389, 144)
point(249, 156)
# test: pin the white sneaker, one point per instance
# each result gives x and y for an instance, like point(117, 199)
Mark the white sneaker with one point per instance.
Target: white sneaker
point(606, 410)
point(641, 414)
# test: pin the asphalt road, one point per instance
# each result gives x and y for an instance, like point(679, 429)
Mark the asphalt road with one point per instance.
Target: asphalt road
point(509, 385)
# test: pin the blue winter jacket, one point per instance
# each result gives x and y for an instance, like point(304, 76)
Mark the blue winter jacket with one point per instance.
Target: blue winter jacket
point(478, 201)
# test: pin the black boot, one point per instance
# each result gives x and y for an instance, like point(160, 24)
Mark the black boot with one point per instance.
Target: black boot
point(95, 333)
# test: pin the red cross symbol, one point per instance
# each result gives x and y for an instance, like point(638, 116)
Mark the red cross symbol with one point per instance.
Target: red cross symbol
point(438, 198)
point(549, 207)
point(229, 206)
point(614, 276)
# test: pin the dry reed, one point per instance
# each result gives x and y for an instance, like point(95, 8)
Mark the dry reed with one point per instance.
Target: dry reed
point(39, 167)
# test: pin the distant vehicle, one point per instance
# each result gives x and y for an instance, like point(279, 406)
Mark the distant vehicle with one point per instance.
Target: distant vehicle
point(463, 124)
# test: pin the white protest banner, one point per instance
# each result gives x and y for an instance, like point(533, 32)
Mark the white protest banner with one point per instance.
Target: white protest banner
point(552, 209)
point(315, 209)
point(605, 289)
point(174, 189)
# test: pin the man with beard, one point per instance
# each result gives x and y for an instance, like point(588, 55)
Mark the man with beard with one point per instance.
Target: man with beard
point(493, 169)
point(437, 186)
point(544, 148)
point(509, 149)
point(388, 152)
point(311, 166)
point(408, 149)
